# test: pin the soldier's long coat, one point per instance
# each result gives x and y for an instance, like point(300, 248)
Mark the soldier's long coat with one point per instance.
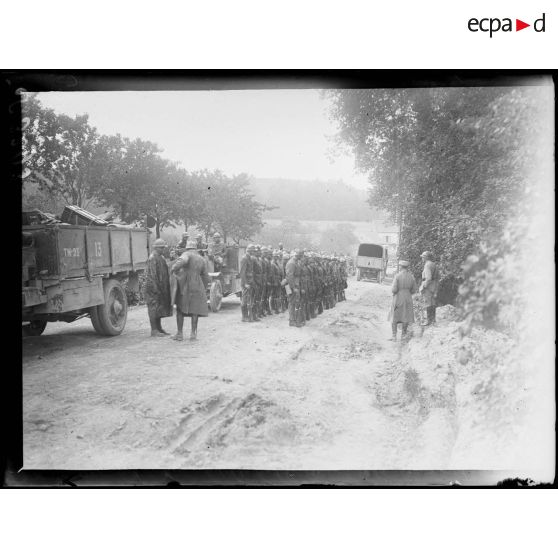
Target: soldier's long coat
point(190, 283)
point(157, 292)
point(403, 288)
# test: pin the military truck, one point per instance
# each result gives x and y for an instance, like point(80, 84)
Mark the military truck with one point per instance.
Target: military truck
point(371, 262)
point(74, 271)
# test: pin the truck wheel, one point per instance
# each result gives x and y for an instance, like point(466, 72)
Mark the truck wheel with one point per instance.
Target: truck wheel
point(110, 318)
point(358, 274)
point(34, 328)
point(215, 296)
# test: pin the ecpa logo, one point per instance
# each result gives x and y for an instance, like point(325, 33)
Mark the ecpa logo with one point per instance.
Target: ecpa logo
point(492, 25)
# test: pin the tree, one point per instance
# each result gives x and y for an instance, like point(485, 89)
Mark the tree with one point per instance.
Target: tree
point(451, 165)
point(58, 152)
point(339, 239)
point(229, 207)
point(136, 181)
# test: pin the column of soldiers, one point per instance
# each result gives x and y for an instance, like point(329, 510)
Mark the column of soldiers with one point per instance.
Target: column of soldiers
point(304, 283)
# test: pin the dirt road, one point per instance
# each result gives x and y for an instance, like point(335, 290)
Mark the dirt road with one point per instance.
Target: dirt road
point(331, 395)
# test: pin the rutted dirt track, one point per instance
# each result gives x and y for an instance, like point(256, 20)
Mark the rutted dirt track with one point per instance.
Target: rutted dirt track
point(335, 394)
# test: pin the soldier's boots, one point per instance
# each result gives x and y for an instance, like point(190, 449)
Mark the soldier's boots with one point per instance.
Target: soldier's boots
point(255, 315)
point(244, 310)
point(276, 304)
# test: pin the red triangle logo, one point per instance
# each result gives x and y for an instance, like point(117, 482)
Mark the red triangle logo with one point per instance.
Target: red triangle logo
point(519, 25)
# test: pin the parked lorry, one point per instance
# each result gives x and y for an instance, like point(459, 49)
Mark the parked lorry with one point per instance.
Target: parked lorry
point(72, 271)
point(371, 262)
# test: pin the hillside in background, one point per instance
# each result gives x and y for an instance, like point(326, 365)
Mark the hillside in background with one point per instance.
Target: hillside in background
point(313, 200)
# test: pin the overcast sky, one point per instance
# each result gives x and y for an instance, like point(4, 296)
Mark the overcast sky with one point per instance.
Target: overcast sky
point(266, 133)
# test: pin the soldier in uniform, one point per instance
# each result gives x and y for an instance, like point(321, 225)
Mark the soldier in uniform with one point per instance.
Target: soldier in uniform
point(189, 289)
point(201, 246)
point(343, 278)
point(267, 280)
point(293, 279)
point(429, 286)
point(157, 289)
point(217, 252)
point(276, 278)
point(247, 285)
point(285, 256)
point(258, 280)
point(319, 279)
point(181, 246)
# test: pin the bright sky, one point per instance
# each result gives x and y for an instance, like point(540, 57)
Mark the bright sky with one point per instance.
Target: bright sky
point(266, 133)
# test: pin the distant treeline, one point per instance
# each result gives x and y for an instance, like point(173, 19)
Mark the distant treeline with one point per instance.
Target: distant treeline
point(312, 200)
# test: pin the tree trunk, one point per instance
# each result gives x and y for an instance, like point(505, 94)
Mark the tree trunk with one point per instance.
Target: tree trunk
point(157, 228)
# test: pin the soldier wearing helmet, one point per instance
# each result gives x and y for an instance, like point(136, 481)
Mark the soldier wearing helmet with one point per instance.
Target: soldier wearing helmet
point(247, 284)
point(189, 289)
point(157, 288)
point(266, 280)
point(294, 273)
point(181, 246)
point(285, 256)
point(217, 252)
point(276, 278)
point(258, 283)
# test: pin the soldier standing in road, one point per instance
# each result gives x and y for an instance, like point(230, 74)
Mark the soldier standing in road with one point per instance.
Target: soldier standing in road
point(276, 278)
point(247, 284)
point(189, 289)
point(403, 288)
point(429, 286)
point(258, 280)
point(285, 299)
point(293, 280)
point(266, 287)
point(157, 289)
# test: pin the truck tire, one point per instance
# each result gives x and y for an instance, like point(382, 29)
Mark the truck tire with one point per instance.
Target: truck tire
point(34, 328)
point(110, 318)
point(215, 296)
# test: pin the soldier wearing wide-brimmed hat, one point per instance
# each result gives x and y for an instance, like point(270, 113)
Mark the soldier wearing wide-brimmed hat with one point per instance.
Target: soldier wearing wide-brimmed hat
point(157, 288)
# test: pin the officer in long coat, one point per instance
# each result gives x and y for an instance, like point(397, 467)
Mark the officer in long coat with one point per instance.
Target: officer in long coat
point(189, 289)
point(403, 288)
point(157, 288)
point(429, 286)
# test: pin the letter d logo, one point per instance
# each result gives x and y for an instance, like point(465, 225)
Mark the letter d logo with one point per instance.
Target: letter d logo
point(540, 21)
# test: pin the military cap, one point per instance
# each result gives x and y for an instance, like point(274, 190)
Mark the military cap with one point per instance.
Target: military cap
point(216, 235)
point(286, 255)
point(160, 243)
point(426, 254)
point(299, 252)
point(403, 263)
point(191, 245)
point(199, 235)
point(250, 248)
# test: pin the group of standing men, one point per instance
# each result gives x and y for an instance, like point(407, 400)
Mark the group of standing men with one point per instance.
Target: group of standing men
point(403, 289)
point(305, 283)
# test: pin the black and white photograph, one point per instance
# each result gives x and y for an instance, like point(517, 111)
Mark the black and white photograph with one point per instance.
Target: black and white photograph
point(292, 276)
